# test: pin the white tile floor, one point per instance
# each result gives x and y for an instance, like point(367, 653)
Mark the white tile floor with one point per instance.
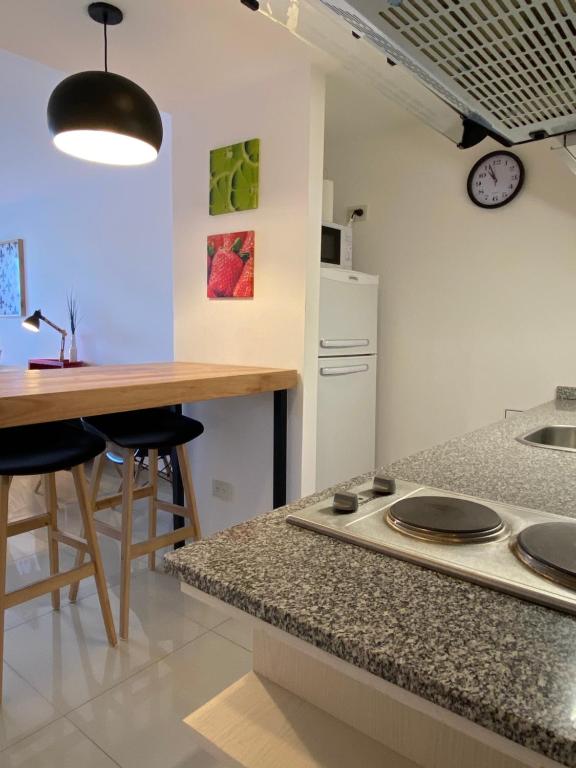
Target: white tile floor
point(69, 699)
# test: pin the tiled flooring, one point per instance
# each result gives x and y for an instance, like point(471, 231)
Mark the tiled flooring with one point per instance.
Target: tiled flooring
point(69, 699)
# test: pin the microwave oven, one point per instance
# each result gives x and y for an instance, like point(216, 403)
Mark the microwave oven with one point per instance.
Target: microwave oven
point(336, 249)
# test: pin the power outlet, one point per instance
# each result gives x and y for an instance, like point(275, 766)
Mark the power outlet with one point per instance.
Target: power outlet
point(350, 212)
point(222, 490)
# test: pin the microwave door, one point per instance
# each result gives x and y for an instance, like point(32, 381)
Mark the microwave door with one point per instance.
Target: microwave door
point(331, 245)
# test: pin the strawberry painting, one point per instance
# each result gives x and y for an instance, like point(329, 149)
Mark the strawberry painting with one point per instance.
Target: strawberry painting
point(231, 266)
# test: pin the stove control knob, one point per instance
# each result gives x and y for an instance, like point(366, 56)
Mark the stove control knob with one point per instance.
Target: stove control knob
point(383, 485)
point(345, 502)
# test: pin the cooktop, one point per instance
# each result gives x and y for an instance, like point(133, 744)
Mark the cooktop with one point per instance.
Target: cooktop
point(520, 551)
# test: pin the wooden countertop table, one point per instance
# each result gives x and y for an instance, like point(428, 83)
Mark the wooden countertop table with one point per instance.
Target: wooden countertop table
point(31, 397)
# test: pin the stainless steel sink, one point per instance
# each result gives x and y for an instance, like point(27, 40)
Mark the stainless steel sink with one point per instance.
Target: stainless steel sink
point(560, 437)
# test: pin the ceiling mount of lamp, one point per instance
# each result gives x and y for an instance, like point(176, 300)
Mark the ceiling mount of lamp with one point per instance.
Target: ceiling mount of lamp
point(106, 14)
point(105, 117)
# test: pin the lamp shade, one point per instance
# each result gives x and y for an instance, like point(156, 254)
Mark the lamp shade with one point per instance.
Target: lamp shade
point(105, 118)
point(32, 323)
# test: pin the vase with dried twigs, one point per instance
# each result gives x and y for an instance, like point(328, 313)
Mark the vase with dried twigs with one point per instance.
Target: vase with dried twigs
point(72, 304)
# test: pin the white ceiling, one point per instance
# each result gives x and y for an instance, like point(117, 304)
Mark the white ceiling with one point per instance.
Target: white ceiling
point(170, 47)
point(179, 51)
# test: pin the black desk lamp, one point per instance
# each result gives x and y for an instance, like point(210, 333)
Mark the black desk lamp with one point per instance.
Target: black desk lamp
point(32, 323)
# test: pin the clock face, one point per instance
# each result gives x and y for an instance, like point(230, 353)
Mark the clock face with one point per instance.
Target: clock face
point(496, 179)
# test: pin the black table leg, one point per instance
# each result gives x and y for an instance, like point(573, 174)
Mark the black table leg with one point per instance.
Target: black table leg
point(279, 460)
point(280, 447)
point(177, 487)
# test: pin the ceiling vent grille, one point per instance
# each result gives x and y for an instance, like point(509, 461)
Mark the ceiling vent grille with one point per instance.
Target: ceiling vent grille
point(511, 63)
point(325, 30)
point(515, 58)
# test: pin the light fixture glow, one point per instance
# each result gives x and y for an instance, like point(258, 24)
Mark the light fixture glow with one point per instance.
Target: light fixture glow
point(103, 117)
point(105, 147)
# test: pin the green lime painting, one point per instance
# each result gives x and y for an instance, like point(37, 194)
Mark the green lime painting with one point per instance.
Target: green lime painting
point(234, 174)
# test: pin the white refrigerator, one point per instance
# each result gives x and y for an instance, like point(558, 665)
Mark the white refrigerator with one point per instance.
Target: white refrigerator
point(347, 362)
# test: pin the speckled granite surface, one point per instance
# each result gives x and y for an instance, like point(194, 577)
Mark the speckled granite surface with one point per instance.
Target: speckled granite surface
point(566, 393)
point(501, 662)
point(491, 464)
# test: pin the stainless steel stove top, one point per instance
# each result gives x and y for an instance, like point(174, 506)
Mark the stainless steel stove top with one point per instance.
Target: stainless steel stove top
point(491, 563)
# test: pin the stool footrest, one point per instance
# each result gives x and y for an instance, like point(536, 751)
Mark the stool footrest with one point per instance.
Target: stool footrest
point(16, 527)
point(116, 499)
point(107, 530)
point(70, 540)
point(48, 585)
point(174, 509)
point(145, 547)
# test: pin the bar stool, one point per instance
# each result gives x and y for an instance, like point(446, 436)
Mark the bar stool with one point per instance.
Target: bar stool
point(151, 430)
point(43, 449)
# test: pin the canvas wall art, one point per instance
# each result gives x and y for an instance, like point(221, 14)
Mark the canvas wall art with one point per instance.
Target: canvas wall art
point(234, 177)
point(231, 266)
point(12, 300)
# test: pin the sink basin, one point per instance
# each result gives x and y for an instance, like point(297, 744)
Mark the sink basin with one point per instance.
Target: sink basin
point(560, 437)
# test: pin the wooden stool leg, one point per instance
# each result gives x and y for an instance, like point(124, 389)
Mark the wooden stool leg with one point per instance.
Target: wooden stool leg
point(94, 550)
point(152, 503)
point(4, 494)
point(126, 541)
point(95, 480)
point(191, 508)
point(139, 467)
point(52, 512)
point(96, 477)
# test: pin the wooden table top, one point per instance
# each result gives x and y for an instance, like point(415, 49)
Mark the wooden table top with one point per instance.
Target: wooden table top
point(31, 397)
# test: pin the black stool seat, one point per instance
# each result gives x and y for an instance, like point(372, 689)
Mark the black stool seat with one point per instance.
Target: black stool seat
point(149, 429)
point(39, 449)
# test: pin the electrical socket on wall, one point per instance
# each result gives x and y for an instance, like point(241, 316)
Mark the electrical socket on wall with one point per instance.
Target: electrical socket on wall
point(222, 490)
point(350, 210)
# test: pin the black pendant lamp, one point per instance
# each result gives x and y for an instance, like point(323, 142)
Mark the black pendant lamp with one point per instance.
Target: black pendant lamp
point(103, 117)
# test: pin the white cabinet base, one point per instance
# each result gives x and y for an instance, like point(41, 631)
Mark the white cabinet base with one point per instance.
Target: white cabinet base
point(257, 724)
point(314, 696)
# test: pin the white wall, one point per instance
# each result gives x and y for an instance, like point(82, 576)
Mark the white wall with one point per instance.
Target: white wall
point(261, 84)
point(103, 232)
point(284, 110)
point(477, 307)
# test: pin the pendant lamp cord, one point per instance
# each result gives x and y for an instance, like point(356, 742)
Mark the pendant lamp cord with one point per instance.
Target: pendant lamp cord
point(105, 46)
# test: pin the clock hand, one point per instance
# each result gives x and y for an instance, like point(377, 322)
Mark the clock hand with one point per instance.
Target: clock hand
point(491, 170)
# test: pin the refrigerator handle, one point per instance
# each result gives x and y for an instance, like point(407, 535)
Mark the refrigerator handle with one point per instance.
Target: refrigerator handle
point(343, 370)
point(334, 343)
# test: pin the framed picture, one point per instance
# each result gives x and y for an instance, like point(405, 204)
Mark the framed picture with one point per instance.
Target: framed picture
point(12, 294)
point(234, 177)
point(231, 266)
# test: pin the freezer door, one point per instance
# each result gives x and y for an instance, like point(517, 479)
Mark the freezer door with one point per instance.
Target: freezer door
point(346, 418)
point(348, 313)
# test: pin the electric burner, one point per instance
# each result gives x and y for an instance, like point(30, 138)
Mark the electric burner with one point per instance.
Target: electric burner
point(524, 552)
point(447, 520)
point(549, 549)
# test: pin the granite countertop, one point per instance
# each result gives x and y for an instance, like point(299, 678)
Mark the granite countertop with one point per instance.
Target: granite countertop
point(503, 663)
point(491, 464)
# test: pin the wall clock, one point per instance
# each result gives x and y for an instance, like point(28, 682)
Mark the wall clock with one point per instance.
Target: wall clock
point(495, 179)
